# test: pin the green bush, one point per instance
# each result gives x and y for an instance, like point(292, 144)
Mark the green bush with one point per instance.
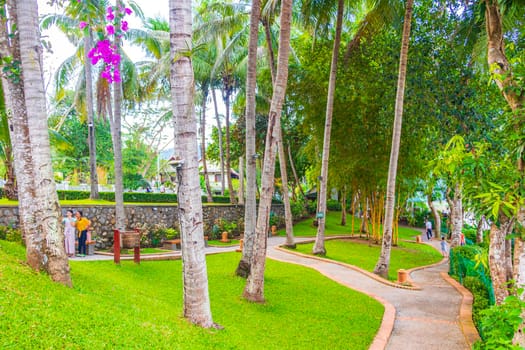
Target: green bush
point(72, 195)
point(333, 205)
point(470, 233)
point(299, 210)
point(312, 207)
point(481, 298)
point(218, 199)
point(10, 234)
point(499, 323)
point(154, 236)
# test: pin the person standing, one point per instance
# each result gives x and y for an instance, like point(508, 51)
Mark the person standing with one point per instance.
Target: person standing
point(82, 225)
point(69, 233)
point(428, 226)
point(444, 248)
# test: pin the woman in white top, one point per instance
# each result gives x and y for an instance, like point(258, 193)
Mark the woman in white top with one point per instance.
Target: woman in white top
point(69, 233)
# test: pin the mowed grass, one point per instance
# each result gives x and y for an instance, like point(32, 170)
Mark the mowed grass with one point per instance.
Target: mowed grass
point(332, 226)
point(364, 254)
point(140, 306)
point(406, 255)
point(219, 243)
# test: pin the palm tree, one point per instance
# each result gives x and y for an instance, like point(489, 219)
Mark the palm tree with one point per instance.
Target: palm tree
point(196, 296)
point(45, 244)
point(266, 19)
point(250, 207)
point(318, 247)
point(254, 289)
point(383, 263)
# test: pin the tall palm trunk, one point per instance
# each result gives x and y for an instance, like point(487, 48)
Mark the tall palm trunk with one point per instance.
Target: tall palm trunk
point(19, 130)
point(294, 172)
point(282, 159)
point(254, 289)
point(319, 248)
point(219, 133)
point(383, 263)
point(240, 197)
point(45, 245)
point(209, 195)
point(286, 198)
point(226, 97)
point(116, 127)
point(343, 209)
point(195, 280)
point(93, 176)
point(250, 206)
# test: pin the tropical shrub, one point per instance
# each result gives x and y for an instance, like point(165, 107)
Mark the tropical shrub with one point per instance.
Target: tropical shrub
point(333, 205)
point(481, 298)
point(10, 234)
point(499, 323)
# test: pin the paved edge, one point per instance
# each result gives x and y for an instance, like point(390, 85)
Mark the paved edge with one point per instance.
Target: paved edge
point(465, 311)
point(387, 323)
point(355, 268)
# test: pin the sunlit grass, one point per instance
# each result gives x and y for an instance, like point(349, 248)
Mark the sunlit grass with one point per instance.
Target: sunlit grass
point(216, 242)
point(140, 306)
point(360, 253)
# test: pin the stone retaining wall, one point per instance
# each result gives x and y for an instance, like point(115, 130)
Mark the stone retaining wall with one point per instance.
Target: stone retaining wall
point(103, 217)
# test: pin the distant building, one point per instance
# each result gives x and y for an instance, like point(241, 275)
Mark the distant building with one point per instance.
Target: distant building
point(214, 173)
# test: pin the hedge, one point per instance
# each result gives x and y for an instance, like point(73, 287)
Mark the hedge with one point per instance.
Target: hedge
point(134, 197)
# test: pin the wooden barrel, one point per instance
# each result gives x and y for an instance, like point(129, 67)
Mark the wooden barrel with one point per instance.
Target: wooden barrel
point(130, 239)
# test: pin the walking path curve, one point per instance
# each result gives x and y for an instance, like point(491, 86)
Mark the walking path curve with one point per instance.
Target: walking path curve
point(436, 315)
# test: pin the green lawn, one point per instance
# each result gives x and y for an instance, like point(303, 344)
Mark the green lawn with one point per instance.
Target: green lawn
point(332, 226)
point(406, 255)
point(218, 243)
point(139, 307)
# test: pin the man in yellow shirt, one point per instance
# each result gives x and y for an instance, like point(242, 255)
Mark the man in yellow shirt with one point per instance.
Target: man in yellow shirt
point(82, 224)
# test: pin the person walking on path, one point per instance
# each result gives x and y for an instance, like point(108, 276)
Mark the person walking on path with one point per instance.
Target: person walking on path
point(69, 233)
point(428, 226)
point(444, 247)
point(82, 225)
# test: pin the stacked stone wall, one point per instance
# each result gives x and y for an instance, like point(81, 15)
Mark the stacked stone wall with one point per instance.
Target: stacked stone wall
point(103, 217)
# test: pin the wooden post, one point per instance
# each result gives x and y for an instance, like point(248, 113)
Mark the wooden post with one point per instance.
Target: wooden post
point(136, 250)
point(116, 246)
point(136, 254)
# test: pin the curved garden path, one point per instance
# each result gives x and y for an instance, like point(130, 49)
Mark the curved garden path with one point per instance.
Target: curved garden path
point(435, 316)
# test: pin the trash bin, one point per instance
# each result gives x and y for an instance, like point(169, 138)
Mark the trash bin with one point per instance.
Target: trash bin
point(402, 276)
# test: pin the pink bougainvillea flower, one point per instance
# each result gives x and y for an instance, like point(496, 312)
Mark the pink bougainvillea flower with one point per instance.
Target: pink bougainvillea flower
point(110, 29)
point(107, 75)
point(116, 75)
point(82, 25)
point(124, 26)
point(109, 14)
point(128, 11)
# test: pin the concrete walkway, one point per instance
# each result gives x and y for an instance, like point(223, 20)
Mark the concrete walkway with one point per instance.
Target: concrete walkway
point(434, 316)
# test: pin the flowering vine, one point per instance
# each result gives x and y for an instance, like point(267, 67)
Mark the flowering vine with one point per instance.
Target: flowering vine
point(104, 49)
